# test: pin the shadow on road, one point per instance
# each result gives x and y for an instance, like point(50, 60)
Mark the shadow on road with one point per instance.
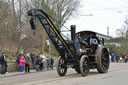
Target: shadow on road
point(91, 73)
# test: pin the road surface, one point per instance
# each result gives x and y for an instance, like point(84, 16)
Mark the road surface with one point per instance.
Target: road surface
point(117, 75)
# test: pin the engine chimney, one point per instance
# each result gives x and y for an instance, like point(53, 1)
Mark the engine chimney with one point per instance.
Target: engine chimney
point(73, 31)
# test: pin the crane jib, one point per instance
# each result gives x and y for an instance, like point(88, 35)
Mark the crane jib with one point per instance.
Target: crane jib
point(44, 18)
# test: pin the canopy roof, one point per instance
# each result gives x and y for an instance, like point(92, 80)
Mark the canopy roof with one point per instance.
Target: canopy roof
point(92, 33)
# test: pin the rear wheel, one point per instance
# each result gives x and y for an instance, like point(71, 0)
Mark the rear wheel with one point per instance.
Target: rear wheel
point(84, 68)
point(61, 67)
point(103, 59)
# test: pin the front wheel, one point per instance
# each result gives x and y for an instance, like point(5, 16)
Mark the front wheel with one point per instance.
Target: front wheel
point(84, 67)
point(61, 67)
point(103, 58)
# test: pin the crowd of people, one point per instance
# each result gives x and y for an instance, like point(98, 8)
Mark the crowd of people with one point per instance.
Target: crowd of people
point(39, 62)
point(117, 58)
point(24, 60)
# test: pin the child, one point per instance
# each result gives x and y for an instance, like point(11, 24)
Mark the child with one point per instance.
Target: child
point(22, 62)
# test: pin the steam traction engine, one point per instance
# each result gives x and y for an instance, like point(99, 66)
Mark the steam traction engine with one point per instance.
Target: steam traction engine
point(84, 51)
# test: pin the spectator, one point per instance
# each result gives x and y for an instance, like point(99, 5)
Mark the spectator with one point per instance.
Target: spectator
point(37, 63)
point(18, 59)
point(126, 58)
point(48, 63)
point(117, 58)
point(112, 58)
point(3, 60)
point(51, 61)
point(121, 58)
point(27, 63)
point(43, 61)
point(22, 62)
point(19, 56)
point(33, 58)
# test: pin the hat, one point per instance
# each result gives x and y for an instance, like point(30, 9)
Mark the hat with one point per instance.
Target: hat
point(3, 53)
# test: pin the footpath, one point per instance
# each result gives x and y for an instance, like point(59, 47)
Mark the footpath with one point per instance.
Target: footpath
point(10, 74)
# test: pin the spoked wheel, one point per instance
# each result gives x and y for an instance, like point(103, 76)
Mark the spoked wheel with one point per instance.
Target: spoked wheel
point(61, 67)
point(77, 69)
point(84, 67)
point(103, 59)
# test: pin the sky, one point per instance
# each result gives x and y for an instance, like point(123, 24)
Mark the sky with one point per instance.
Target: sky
point(97, 15)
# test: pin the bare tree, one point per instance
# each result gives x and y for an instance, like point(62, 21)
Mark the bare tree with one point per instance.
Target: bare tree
point(61, 10)
point(14, 22)
point(123, 34)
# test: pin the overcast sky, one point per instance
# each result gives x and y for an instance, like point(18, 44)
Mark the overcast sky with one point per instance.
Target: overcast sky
point(105, 13)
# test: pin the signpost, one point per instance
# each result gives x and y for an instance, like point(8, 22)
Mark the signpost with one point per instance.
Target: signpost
point(49, 44)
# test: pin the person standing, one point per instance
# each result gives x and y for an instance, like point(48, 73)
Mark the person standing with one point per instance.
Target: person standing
point(126, 58)
point(27, 63)
point(117, 58)
point(123, 58)
point(43, 61)
point(37, 63)
point(19, 56)
point(112, 57)
point(51, 61)
point(48, 63)
point(21, 63)
point(40, 62)
point(18, 59)
point(33, 59)
point(3, 63)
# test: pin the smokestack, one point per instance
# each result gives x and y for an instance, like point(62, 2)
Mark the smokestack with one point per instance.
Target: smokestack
point(73, 32)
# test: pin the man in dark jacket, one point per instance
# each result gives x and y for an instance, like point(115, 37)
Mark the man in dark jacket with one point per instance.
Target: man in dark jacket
point(117, 58)
point(33, 59)
point(3, 63)
point(51, 61)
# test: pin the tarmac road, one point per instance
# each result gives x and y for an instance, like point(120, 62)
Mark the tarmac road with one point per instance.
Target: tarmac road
point(117, 75)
